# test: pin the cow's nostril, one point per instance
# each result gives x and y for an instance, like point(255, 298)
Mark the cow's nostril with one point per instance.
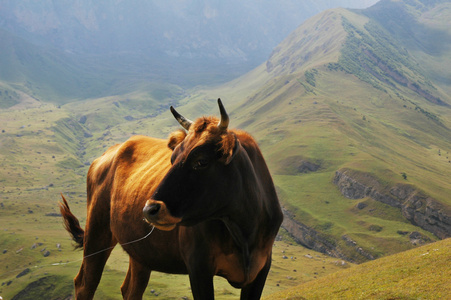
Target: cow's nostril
point(151, 210)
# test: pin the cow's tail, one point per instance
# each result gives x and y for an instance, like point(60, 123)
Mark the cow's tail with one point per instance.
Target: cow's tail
point(71, 223)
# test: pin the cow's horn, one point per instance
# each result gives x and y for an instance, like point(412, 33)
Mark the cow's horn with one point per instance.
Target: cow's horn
point(181, 119)
point(224, 123)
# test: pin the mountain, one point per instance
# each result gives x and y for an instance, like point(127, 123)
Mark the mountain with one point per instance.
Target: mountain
point(67, 51)
point(191, 29)
point(44, 73)
point(51, 75)
point(423, 28)
point(352, 114)
point(355, 123)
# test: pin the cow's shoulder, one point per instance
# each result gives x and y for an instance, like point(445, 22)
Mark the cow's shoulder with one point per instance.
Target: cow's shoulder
point(246, 140)
point(250, 145)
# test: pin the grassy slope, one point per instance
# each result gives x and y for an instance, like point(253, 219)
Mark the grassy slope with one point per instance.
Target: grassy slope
point(291, 114)
point(30, 184)
point(422, 273)
point(43, 154)
point(302, 109)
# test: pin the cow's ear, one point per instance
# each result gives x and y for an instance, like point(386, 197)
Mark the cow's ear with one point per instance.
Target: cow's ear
point(229, 148)
point(176, 138)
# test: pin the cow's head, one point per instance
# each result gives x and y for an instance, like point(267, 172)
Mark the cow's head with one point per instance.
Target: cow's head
point(196, 188)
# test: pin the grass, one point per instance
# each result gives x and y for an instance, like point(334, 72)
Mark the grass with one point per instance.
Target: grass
point(342, 122)
point(311, 113)
point(316, 203)
point(421, 273)
point(292, 265)
point(44, 161)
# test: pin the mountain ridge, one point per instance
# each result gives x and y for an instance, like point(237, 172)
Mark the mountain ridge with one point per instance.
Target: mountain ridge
point(86, 49)
point(178, 28)
point(379, 114)
point(311, 115)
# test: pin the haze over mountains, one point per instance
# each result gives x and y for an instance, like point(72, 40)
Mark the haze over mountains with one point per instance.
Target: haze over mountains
point(232, 30)
point(351, 110)
point(102, 42)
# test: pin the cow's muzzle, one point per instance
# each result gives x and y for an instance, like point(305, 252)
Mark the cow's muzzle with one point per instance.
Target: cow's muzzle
point(156, 213)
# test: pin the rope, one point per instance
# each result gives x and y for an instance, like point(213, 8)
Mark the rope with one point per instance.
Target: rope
point(128, 243)
point(89, 255)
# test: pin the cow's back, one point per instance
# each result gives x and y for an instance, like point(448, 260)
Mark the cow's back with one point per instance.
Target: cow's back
point(119, 184)
point(120, 168)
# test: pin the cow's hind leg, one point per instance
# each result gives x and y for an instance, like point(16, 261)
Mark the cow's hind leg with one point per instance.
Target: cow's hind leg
point(97, 246)
point(94, 260)
point(135, 282)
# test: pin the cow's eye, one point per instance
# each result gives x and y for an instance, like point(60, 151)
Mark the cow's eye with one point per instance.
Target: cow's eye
point(200, 164)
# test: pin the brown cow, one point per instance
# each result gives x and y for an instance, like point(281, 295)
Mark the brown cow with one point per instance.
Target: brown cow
point(210, 196)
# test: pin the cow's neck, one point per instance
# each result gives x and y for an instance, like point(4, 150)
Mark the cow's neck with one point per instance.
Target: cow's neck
point(245, 220)
point(239, 237)
point(245, 232)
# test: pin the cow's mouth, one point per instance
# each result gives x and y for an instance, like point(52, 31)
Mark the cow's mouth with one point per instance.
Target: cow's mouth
point(164, 227)
point(157, 214)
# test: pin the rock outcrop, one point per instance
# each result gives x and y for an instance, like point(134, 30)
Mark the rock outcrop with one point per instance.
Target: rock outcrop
point(417, 207)
point(312, 239)
point(294, 165)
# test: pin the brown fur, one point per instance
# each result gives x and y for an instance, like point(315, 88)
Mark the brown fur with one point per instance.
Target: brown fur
point(71, 223)
point(176, 138)
point(231, 237)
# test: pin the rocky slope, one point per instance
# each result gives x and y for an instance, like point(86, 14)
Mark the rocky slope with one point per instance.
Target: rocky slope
point(416, 206)
point(313, 239)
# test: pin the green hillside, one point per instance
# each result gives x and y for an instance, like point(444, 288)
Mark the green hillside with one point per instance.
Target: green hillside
point(342, 100)
point(422, 273)
point(352, 115)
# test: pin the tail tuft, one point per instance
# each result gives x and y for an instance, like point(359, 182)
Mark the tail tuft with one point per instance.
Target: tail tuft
point(71, 223)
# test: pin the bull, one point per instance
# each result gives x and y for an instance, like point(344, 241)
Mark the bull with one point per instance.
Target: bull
point(207, 191)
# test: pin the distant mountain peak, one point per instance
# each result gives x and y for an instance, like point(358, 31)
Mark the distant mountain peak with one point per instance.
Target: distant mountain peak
point(317, 41)
point(356, 42)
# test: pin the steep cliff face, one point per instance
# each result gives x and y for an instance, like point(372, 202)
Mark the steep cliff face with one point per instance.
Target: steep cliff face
point(312, 239)
point(344, 247)
point(308, 237)
point(417, 207)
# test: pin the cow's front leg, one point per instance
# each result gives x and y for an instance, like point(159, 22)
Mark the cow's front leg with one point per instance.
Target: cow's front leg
point(197, 257)
point(201, 281)
point(201, 274)
point(254, 290)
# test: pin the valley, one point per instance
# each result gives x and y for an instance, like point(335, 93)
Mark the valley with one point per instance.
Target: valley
point(353, 117)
